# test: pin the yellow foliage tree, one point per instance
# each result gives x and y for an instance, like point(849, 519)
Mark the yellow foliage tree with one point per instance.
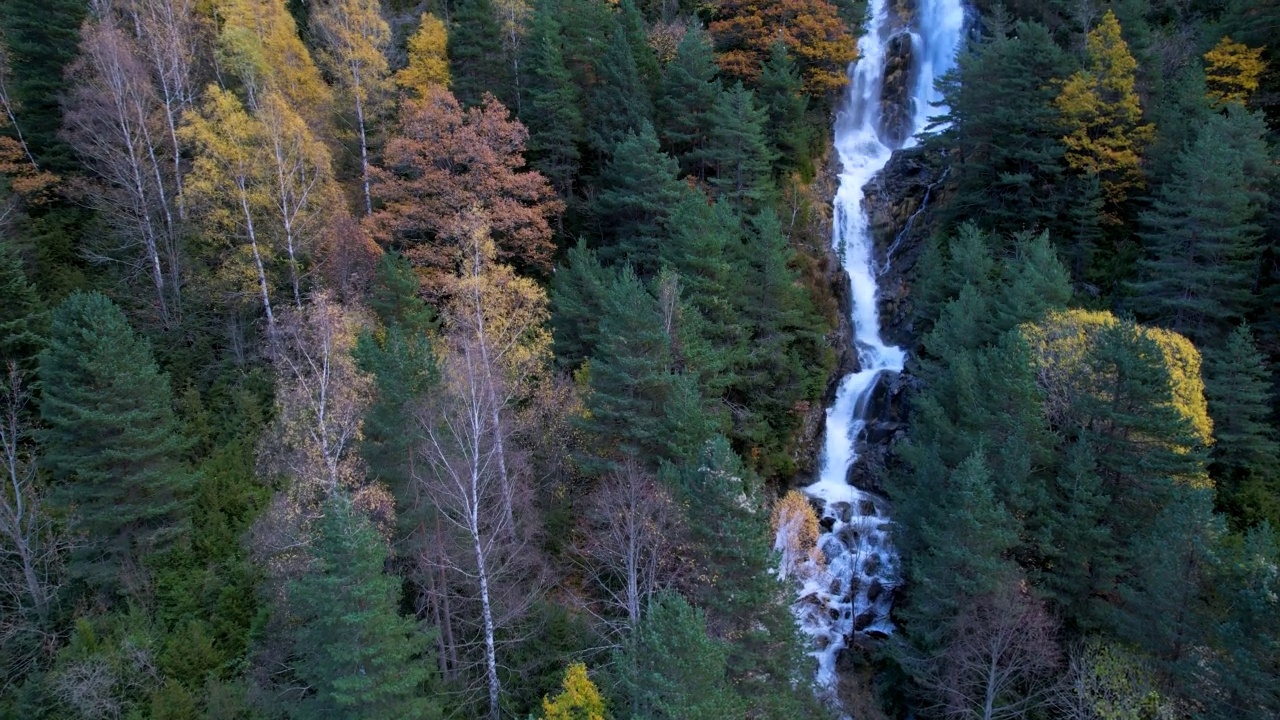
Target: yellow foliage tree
point(1232, 71)
point(1100, 108)
point(579, 699)
point(1062, 344)
point(428, 58)
point(796, 532)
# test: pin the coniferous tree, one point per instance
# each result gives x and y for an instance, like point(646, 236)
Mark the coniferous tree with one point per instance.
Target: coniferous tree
point(22, 317)
point(360, 658)
point(112, 441)
point(646, 60)
point(737, 150)
point(1246, 454)
point(579, 295)
point(619, 102)
point(1201, 234)
point(552, 107)
point(42, 40)
point(638, 190)
point(683, 105)
point(476, 62)
point(781, 93)
point(672, 669)
point(1243, 678)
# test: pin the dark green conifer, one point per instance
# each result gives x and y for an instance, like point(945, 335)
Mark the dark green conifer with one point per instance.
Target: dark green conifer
point(112, 441)
point(737, 151)
point(683, 106)
point(552, 107)
point(476, 55)
point(618, 103)
point(781, 93)
point(579, 295)
point(638, 190)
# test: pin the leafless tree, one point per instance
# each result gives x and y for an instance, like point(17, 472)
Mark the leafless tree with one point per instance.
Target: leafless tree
point(478, 544)
point(114, 121)
point(999, 659)
point(629, 533)
point(1106, 682)
point(32, 546)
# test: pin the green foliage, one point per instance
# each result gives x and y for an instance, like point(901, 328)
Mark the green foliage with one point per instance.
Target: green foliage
point(689, 92)
point(22, 315)
point(790, 135)
point(672, 669)
point(476, 62)
point(1201, 234)
point(737, 149)
point(42, 39)
point(638, 190)
point(579, 294)
point(618, 104)
point(358, 656)
point(552, 107)
point(113, 443)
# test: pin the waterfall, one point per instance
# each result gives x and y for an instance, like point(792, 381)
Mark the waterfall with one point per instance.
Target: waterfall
point(847, 587)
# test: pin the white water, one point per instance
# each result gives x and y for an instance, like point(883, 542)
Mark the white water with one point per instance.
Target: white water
point(848, 589)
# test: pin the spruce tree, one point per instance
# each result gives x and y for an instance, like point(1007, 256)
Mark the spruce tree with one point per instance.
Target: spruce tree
point(683, 106)
point(42, 39)
point(476, 55)
point(646, 60)
point(112, 441)
point(1201, 236)
point(1244, 673)
point(358, 655)
point(1246, 454)
point(638, 189)
point(672, 669)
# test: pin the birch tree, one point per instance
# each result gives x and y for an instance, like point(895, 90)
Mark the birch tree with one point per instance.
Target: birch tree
point(113, 120)
point(356, 38)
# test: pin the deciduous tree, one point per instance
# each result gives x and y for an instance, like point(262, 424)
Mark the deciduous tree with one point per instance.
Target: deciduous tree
point(428, 61)
point(811, 29)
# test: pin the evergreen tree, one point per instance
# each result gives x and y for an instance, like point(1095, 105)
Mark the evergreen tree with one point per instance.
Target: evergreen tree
point(476, 56)
point(552, 107)
point(1246, 454)
point(22, 317)
point(781, 93)
point(360, 658)
point(737, 585)
point(646, 60)
point(672, 669)
point(684, 103)
point(1201, 235)
point(579, 295)
point(638, 189)
point(737, 149)
point(42, 39)
point(618, 104)
point(1008, 171)
point(112, 441)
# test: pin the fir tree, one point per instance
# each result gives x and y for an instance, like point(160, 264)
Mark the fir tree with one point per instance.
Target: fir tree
point(552, 108)
point(360, 658)
point(22, 317)
point(579, 295)
point(112, 441)
point(42, 39)
point(672, 669)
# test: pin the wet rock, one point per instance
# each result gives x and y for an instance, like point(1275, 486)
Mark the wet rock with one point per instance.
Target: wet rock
point(864, 621)
point(872, 564)
point(866, 507)
point(826, 523)
point(875, 590)
point(841, 510)
point(897, 110)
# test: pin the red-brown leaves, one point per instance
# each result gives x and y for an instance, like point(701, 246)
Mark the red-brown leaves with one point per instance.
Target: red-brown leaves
point(449, 168)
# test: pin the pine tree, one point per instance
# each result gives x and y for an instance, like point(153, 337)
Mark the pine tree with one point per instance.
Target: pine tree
point(579, 295)
point(476, 56)
point(1244, 674)
point(1246, 454)
point(737, 150)
point(1201, 234)
point(42, 40)
point(683, 106)
point(112, 441)
point(638, 189)
point(22, 317)
point(1008, 172)
point(358, 655)
point(552, 108)
point(781, 93)
point(646, 60)
point(672, 669)
point(618, 104)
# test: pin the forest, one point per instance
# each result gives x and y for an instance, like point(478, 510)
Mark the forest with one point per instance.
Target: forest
point(435, 359)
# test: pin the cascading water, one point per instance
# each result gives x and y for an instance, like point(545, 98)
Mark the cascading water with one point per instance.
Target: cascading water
point(847, 588)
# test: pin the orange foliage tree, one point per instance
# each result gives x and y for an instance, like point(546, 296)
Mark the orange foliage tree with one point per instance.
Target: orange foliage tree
point(444, 169)
point(744, 31)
